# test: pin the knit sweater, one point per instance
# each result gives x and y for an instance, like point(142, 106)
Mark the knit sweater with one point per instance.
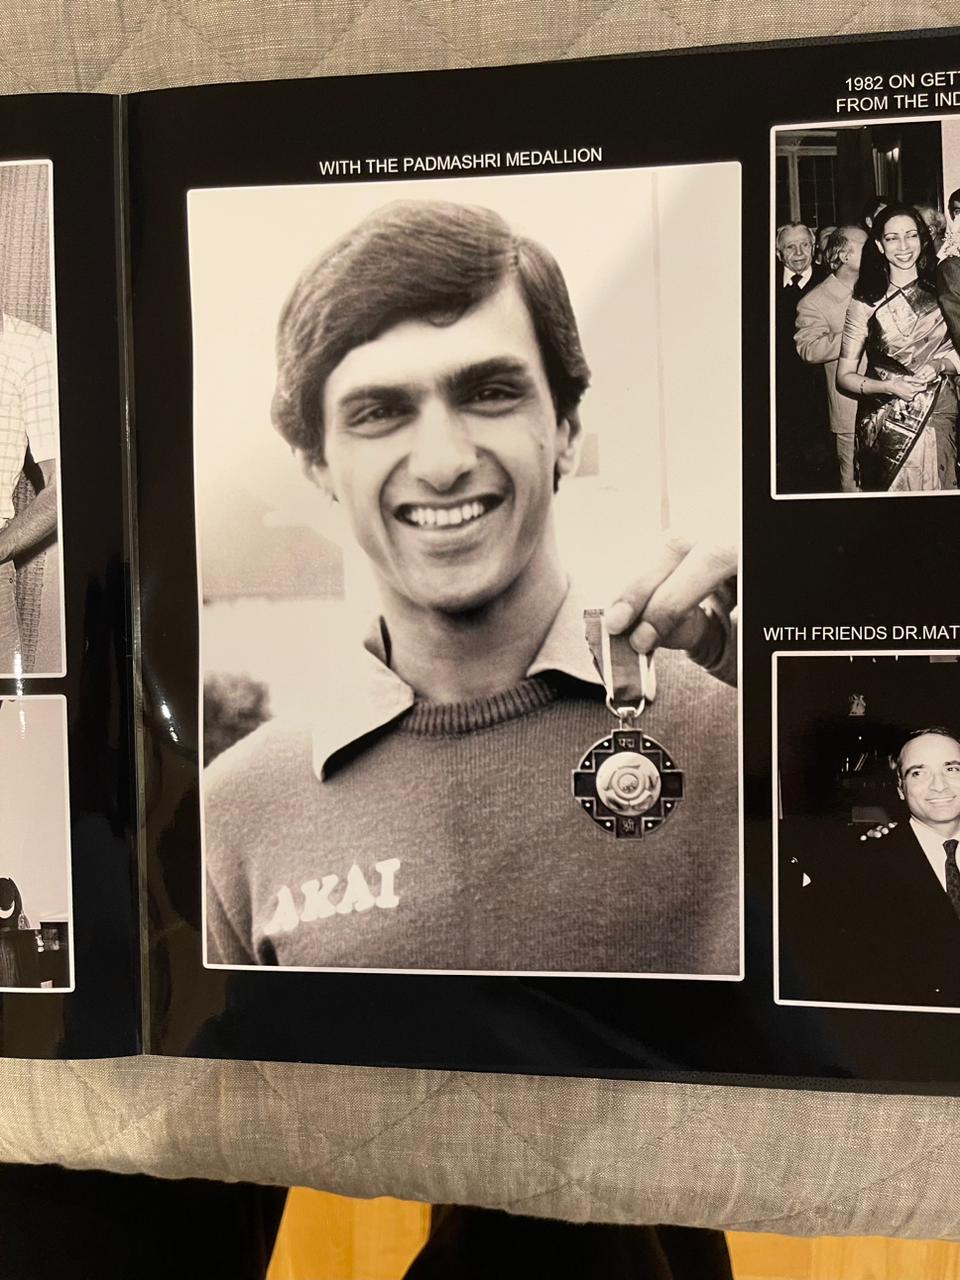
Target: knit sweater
point(451, 841)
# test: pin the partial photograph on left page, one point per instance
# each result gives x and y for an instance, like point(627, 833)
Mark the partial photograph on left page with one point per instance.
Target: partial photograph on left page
point(36, 935)
point(439, 426)
point(31, 580)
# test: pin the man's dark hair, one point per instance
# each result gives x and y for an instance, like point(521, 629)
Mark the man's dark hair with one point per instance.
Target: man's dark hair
point(414, 260)
point(940, 730)
point(953, 198)
point(874, 279)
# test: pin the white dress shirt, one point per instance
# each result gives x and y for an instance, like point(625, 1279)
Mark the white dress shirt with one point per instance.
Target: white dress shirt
point(931, 842)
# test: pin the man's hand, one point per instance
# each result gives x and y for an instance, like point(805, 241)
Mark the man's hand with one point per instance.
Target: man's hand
point(36, 521)
point(879, 831)
point(662, 606)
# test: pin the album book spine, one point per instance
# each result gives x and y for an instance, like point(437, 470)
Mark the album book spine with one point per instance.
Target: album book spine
point(132, 650)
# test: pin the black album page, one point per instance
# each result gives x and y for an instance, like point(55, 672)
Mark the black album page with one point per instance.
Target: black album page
point(549, 641)
point(69, 927)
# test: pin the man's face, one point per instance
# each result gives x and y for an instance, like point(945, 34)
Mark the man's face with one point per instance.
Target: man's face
point(796, 249)
point(856, 239)
point(930, 780)
point(441, 442)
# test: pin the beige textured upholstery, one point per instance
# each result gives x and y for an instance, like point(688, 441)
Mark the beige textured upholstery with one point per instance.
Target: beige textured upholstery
point(794, 1161)
point(149, 44)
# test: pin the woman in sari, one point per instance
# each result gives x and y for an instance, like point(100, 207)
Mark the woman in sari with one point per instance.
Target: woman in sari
point(907, 417)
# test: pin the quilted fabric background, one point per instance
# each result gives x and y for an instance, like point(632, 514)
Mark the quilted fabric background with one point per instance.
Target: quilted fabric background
point(790, 1161)
point(116, 46)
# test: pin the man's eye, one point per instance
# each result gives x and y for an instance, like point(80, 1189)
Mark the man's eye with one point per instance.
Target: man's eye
point(376, 416)
point(495, 395)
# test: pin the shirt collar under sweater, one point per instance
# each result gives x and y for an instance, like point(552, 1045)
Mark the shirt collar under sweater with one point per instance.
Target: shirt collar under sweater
point(368, 695)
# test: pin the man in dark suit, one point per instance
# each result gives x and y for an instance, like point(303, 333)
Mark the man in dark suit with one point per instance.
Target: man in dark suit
point(806, 459)
point(948, 294)
point(878, 921)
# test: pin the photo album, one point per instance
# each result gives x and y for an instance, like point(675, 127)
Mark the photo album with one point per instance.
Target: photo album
point(475, 581)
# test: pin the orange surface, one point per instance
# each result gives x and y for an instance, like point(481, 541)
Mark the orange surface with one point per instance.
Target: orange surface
point(767, 1257)
point(327, 1237)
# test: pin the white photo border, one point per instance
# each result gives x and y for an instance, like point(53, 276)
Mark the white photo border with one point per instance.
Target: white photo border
point(51, 268)
point(859, 123)
point(775, 744)
point(463, 184)
point(68, 850)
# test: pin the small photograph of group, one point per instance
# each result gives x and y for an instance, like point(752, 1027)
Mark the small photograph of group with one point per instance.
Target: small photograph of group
point(866, 308)
point(867, 829)
point(36, 945)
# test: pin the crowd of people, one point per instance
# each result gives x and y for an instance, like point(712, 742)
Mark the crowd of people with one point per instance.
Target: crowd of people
point(868, 352)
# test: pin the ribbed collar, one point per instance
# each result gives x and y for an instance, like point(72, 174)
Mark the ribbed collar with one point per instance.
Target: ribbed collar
point(364, 695)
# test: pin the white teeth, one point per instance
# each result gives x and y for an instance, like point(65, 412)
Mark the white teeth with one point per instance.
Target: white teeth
point(441, 517)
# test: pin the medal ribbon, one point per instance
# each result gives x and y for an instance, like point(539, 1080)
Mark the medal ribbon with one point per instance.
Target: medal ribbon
point(627, 676)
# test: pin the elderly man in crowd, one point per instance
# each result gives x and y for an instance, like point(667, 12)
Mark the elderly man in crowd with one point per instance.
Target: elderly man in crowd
point(819, 328)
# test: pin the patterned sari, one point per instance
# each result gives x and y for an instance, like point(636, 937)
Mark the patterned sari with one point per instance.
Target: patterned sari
point(896, 443)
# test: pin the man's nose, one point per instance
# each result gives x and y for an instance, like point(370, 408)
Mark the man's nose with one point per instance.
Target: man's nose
point(939, 781)
point(443, 450)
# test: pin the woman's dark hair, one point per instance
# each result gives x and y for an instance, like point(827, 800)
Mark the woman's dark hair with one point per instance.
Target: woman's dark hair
point(11, 904)
point(874, 279)
point(871, 208)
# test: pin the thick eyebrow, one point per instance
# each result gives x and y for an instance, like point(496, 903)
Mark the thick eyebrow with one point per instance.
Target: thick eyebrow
point(454, 381)
point(494, 367)
point(375, 391)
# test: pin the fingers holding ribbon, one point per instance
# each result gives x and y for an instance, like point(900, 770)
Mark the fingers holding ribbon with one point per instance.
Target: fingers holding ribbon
point(663, 605)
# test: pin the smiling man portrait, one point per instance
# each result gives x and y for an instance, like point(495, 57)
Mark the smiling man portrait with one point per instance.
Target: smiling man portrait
point(883, 914)
point(420, 814)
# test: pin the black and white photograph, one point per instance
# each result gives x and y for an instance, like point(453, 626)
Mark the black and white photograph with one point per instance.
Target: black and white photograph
point(866, 308)
point(467, 468)
point(31, 584)
point(36, 943)
point(867, 777)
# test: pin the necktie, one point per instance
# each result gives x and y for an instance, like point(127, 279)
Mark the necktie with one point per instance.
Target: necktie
point(953, 874)
point(794, 281)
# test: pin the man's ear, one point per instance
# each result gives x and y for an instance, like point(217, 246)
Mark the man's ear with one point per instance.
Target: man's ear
point(569, 440)
point(900, 792)
point(318, 473)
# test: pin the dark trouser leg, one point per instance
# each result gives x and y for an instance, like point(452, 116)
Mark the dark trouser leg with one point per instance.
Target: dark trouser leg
point(484, 1244)
point(87, 1225)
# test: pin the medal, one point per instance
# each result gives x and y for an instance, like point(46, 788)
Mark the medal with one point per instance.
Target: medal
point(627, 783)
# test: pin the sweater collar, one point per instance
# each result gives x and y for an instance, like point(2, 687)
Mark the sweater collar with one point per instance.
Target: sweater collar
point(365, 695)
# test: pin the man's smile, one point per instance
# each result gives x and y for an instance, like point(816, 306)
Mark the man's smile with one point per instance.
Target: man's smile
point(446, 515)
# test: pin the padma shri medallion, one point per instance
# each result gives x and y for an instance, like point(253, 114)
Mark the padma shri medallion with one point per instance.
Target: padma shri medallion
point(628, 783)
